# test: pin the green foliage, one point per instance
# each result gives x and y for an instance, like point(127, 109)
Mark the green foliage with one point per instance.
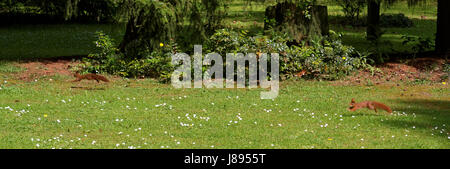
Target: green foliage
point(98, 10)
point(445, 77)
point(352, 8)
point(6, 67)
point(12, 6)
point(229, 41)
point(420, 81)
point(326, 58)
point(150, 23)
point(447, 68)
point(108, 59)
point(419, 44)
point(215, 13)
point(187, 22)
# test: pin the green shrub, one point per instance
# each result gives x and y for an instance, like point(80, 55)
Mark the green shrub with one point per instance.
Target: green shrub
point(352, 8)
point(108, 59)
point(419, 44)
point(446, 70)
point(325, 58)
point(151, 23)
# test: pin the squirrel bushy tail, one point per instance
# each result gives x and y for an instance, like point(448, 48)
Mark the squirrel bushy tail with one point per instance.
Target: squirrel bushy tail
point(90, 76)
point(372, 105)
point(102, 78)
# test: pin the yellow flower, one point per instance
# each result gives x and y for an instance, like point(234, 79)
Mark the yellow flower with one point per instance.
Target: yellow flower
point(161, 44)
point(344, 58)
point(330, 139)
point(45, 115)
point(444, 83)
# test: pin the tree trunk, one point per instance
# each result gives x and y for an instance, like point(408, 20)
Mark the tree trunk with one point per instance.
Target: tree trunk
point(443, 27)
point(373, 20)
point(289, 18)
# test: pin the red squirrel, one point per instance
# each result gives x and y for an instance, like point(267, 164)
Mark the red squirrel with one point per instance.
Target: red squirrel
point(372, 105)
point(90, 76)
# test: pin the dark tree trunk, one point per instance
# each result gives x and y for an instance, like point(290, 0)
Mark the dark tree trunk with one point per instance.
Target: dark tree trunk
point(320, 14)
point(373, 20)
point(289, 18)
point(443, 28)
point(131, 33)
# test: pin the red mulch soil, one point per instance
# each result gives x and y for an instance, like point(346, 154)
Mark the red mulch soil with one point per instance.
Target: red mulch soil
point(38, 69)
point(429, 69)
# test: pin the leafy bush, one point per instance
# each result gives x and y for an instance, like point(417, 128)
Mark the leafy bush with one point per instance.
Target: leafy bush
point(325, 58)
point(446, 70)
point(352, 8)
point(419, 44)
point(185, 21)
point(150, 23)
point(97, 11)
point(108, 59)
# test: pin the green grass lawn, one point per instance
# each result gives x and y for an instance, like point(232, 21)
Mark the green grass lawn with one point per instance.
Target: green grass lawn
point(50, 113)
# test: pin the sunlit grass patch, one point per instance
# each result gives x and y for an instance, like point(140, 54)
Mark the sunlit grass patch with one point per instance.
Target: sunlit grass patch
point(9, 67)
point(146, 114)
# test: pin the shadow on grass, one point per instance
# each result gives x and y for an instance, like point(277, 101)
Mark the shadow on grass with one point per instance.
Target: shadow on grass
point(359, 114)
point(429, 114)
point(88, 88)
point(424, 106)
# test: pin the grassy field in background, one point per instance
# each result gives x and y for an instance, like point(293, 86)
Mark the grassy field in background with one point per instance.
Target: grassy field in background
point(391, 42)
point(55, 40)
point(53, 113)
point(428, 9)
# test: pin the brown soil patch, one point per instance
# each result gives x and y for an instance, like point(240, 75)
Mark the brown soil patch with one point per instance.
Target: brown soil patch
point(429, 69)
point(38, 69)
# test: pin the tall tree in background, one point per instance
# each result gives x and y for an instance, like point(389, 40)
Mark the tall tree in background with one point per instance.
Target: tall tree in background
point(184, 22)
point(373, 20)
